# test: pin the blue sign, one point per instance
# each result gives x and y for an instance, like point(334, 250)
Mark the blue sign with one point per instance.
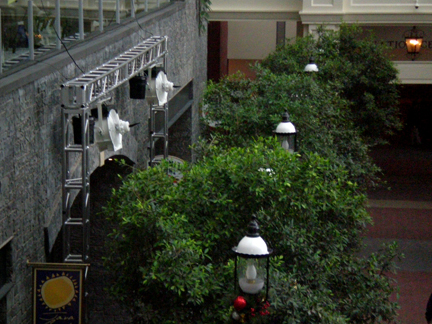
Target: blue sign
point(58, 293)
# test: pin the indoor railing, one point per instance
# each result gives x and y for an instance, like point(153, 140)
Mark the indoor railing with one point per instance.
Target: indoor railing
point(57, 23)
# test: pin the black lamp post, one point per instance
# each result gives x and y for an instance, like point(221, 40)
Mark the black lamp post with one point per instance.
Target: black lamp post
point(287, 133)
point(413, 41)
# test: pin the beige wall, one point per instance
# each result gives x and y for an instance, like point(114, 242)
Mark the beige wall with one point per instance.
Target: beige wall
point(252, 26)
point(257, 5)
point(251, 40)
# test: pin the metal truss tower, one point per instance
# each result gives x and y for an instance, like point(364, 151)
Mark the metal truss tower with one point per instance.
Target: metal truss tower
point(78, 97)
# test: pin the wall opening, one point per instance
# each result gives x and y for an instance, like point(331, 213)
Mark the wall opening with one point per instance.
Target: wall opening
point(3, 308)
point(5, 277)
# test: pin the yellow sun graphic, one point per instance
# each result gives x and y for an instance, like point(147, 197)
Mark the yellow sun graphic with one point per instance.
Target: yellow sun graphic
point(58, 291)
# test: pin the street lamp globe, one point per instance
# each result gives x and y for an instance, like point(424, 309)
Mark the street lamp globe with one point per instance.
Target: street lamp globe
point(287, 134)
point(311, 66)
point(252, 261)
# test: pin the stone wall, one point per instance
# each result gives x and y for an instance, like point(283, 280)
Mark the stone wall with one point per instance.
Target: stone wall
point(31, 137)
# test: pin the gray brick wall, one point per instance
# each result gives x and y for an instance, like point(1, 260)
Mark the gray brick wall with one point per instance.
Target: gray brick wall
point(31, 137)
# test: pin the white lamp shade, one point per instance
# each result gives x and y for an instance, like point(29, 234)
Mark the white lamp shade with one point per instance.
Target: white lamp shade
point(158, 89)
point(163, 86)
point(252, 246)
point(117, 128)
point(285, 128)
point(109, 131)
point(311, 67)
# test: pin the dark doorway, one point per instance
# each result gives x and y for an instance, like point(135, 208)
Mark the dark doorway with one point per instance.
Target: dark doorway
point(217, 50)
point(416, 113)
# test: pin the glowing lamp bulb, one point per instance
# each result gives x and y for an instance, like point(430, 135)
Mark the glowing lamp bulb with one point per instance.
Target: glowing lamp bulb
point(250, 284)
point(285, 144)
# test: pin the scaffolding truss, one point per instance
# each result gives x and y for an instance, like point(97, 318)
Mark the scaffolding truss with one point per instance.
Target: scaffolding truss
point(95, 84)
point(78, 97)
point(158, 134)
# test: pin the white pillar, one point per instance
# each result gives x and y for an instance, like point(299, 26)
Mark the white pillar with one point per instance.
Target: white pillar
point(100, 15)
point(81, 19)
point(30, 30)
point(57, 24)
point(118, 11)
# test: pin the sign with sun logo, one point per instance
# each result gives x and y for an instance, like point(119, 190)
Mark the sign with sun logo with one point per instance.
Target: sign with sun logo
point(58, 293)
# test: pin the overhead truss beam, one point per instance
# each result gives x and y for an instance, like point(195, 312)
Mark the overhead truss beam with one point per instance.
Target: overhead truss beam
point(93, 85)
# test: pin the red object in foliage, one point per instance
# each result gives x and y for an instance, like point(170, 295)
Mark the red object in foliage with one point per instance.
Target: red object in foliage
point(239, 303)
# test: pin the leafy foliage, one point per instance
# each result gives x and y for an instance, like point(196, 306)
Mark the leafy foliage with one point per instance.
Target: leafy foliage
point(357, 67)
point(339, 113)
point(245, 110)
point(171, 252)
point(204, 7)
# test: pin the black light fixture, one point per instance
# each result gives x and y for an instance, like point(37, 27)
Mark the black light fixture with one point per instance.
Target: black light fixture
point(77, 133)
point(287, 133)
point(311, 66)
point(251, 273)
point(413, 41)
point(137, 87)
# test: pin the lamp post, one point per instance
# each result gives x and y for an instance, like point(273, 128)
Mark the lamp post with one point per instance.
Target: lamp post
point(311, 66)
point(251, 273)
point(413, 41)
point(287, 134)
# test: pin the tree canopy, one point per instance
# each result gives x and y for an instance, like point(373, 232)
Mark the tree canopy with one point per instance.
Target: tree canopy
point(171, 245)
point(340, 112)
point(171, 249)
point(357, 67)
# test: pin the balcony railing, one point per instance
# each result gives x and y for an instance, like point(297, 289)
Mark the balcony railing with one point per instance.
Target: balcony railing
point(57, 23)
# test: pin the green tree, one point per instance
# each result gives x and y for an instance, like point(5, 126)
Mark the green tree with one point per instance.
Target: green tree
point(171, 251)
point(245, 109)
point(358, 67)
point(340, 112)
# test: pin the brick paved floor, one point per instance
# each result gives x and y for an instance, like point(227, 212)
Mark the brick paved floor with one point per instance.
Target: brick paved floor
point(404, 214)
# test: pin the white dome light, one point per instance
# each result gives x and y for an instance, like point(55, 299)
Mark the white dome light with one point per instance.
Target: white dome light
point(252, 246)
point(311, 66)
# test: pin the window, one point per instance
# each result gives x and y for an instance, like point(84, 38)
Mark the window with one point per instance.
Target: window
point(16, 45)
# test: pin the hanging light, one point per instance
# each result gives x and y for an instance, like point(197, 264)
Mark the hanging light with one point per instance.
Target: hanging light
point(251, 270)
point(287, 134)
point(311, 66)
point(137, 87)
point(413, 41)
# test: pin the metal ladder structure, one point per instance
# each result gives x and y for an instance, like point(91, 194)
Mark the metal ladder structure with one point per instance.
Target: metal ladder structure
point(77, 97)
point(158, 134)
